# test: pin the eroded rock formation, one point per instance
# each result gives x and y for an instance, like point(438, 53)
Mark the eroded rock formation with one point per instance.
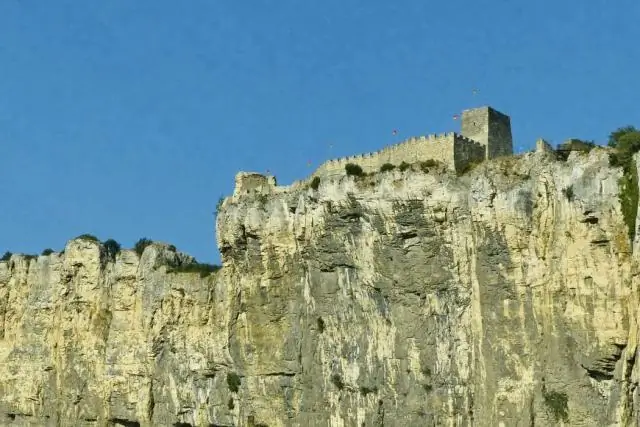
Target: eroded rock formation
point(505, 297)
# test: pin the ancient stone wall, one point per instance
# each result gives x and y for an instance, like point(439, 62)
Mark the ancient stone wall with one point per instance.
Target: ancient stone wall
point(254, 183)
point(415, 149)
point(466, 152)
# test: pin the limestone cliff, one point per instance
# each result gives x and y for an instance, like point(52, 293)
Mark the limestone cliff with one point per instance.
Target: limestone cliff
point(505, 297)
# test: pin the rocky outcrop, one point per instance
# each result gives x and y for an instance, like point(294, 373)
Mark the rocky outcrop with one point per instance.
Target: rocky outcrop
point(505, 297)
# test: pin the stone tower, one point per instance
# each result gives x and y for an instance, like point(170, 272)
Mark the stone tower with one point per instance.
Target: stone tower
point(490, 128)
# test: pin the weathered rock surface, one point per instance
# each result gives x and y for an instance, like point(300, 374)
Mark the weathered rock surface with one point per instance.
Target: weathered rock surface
point(506, 297)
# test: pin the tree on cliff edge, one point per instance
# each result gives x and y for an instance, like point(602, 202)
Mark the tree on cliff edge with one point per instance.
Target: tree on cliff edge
point(626, 141)
point(615, 136)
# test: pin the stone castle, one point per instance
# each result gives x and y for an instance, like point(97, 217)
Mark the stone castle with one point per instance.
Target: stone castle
point(485, 134)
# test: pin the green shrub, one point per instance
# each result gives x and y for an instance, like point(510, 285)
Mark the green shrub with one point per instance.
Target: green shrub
point(467, 168)
point(568, 192)
point(234, 382)
point(89, 237)
point(614, 136)
point(424, 166)
point(203, 269)
point(6, 256)
point(563, 150)
point(315, 183)
point(626, 142)
point(112, 247)
point(404, 166)
point(387, 167)
point(367, 390)
point(47, 251)
point(230, 404)
point(353, 170)
point(336, 379)
point(219, 205)
point(558, 404)
point(320, 325)
point(141, 244)
point(172, 248)
point(628, 196)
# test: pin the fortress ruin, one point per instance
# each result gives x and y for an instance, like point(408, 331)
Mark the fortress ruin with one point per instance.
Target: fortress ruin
point(485, 134)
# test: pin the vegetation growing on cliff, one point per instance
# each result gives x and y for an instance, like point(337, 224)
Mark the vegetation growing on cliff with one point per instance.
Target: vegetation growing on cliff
point(88, 237)
point(202, 269)
point(568, 192)
point(557, 404)
point(112, 248)
point(315, 183)
point(336, 379)
point(6, 256)
point(566, 148)
point(387, 167)
point(233, 382)
point(141, 244)
point(404, 166)
point(626, 141)
point(427, 164)
point(219, 205)
point(468, 168)
point(353, 170)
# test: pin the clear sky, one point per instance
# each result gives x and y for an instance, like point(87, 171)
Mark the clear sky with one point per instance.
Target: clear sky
point(129, 119)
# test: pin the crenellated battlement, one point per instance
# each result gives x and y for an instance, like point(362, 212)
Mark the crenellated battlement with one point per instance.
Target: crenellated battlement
point(428, 139)
point(440, 147)
point(486, 133)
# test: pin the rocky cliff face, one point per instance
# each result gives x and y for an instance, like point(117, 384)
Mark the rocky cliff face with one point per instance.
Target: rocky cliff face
point(506, 297)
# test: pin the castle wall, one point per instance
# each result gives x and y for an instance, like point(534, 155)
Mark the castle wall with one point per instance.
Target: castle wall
point(500, 138)
point(486, 134)
point(254, 183)
point(417, 149)
point(466, 152)
point(543, 146)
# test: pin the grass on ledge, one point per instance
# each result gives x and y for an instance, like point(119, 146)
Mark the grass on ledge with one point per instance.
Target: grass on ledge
point(202, 269)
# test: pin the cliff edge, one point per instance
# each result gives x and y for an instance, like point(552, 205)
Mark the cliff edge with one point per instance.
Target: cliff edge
point(504, 297)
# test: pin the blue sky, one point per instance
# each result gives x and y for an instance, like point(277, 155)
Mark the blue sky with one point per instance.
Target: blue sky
point(129, 119)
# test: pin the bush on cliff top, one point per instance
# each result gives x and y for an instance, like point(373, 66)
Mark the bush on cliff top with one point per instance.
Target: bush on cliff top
point(6, 256)
point(626, 141)
point(112, 247)
point(614, 136)
point(141, 244)
point(315, 183)
point(203, 269)
point(387, 167)
point(428, 164)
point(219, 205)
point(88, 237)
point(353, 170)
